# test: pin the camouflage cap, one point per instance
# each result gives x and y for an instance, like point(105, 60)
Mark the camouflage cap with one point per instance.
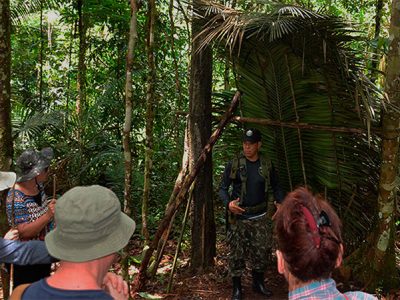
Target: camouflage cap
point(251, 135)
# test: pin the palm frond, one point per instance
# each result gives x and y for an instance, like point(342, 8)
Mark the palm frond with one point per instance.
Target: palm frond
point(294, 65)
point(20, 10)
point(28, 125)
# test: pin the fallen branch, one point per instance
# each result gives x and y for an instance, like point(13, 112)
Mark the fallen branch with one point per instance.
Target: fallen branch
point(141, 277)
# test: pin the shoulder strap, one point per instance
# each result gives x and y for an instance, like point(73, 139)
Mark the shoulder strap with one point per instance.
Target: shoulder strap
point(265, 167)
point(19, 291)
point(238, 164)
point(243, 177)
point(234, 168)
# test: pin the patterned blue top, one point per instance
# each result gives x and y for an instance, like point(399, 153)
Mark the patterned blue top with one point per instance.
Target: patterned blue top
point(326, 290)
point(27, 210)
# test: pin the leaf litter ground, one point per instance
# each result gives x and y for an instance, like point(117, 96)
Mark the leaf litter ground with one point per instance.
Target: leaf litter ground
point(212, 284)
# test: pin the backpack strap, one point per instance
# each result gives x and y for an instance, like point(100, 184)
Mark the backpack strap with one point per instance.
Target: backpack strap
point(239, 164)
point(19, 291)
point(265, 167)
point(234, 168)
point(243, 177)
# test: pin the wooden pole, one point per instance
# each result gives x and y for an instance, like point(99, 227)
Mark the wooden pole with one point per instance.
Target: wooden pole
point(12, 227)
point(141, 277)
point(178, 246)
point(54, 185)
point(299, 125)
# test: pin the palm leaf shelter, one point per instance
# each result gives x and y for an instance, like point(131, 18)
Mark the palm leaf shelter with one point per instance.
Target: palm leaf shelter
point(303, 86)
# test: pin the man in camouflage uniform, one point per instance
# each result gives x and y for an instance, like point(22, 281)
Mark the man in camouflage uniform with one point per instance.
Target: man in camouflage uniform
point(248, 236)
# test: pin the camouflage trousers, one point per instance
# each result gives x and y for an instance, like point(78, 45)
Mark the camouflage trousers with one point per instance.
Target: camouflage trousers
point(249, 240)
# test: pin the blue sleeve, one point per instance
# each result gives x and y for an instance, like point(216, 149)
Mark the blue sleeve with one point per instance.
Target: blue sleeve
point(360, 296)
point(276, 188)
point(225, 183)
point(24, 253)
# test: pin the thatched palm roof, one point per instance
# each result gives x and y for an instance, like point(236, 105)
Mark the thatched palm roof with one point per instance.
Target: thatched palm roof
point(303, 87)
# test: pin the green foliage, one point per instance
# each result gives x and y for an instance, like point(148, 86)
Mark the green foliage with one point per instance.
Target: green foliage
point(294, 65)
point(323, 54)
point(89, 150)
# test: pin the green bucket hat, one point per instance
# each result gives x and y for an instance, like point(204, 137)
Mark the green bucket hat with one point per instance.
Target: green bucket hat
point(31, 163)
point(7, 180)
point(90, 225)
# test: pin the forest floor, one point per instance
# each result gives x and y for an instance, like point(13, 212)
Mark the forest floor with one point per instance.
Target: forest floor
point(214, 284)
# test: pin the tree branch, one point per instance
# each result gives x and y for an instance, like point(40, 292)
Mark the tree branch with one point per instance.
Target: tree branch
point(141, 277)
point(302, 125)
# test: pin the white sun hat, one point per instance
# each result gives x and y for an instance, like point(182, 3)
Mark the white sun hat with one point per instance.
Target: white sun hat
point(7, 180)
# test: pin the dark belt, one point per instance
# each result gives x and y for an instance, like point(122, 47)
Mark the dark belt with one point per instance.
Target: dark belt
point(259, 208)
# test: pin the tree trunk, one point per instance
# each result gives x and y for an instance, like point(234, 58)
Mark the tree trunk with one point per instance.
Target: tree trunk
point(71, 45)
point(127, 127)
point(128, 107)
point(379, 261)
point(175, 126)
point(376, 56)
point(150, 103)
point(6, 147)
point(81, 80)
point(203, 223)
point(41, 56)
point(384, 248)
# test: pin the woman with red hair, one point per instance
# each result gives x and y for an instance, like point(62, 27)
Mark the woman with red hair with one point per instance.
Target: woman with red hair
point(310, 247)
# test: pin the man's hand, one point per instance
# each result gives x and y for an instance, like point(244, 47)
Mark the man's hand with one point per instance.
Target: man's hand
point(12, 234)
point(235, 208)
point(114, 285)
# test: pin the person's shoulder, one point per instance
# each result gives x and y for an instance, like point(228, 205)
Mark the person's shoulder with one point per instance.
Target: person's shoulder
point(41, 290)
point(264, 157)
point(16, 194)
point(360, 296)
point(35, 290)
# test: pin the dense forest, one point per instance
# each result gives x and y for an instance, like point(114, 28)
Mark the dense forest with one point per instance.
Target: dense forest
point(150, 98)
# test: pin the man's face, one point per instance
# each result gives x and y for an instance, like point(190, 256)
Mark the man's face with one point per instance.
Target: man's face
point(250, 150)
